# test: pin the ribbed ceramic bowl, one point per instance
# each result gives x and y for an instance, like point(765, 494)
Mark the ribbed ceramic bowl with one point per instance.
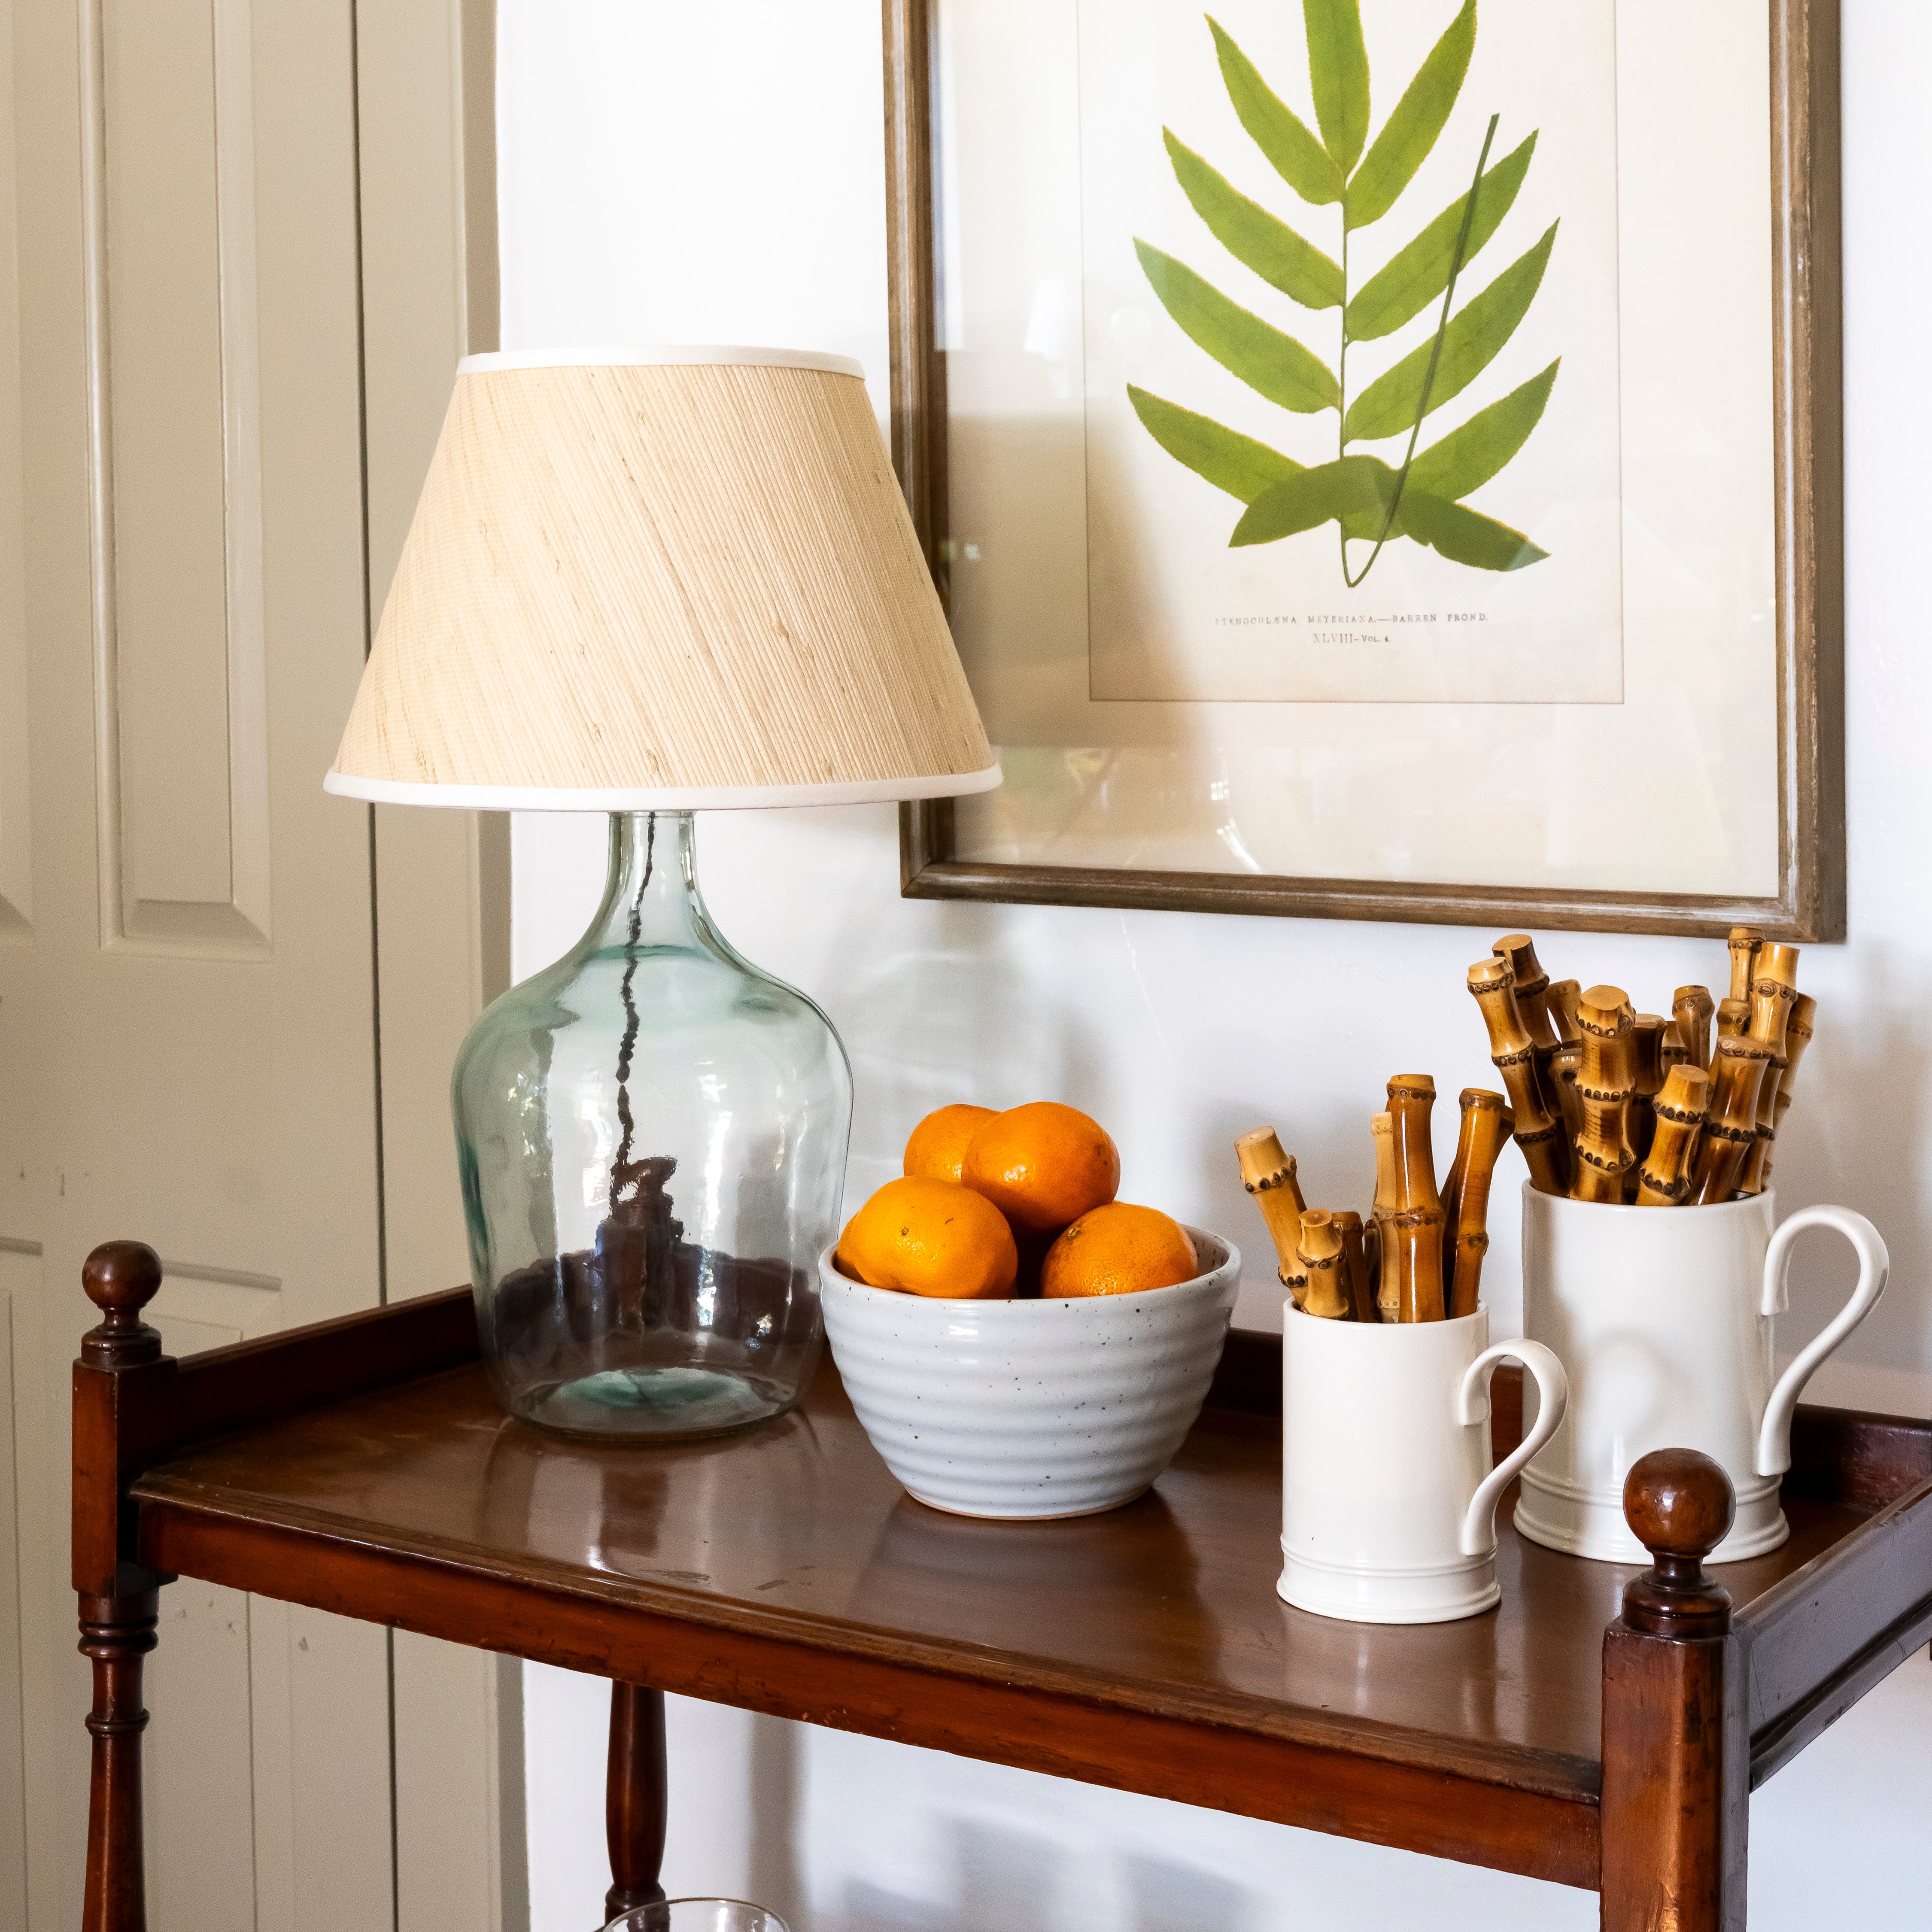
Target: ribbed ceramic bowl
point(1030, 1408)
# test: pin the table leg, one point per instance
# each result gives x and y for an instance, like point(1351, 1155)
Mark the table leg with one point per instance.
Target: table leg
point(635, 1798)
point(1676, 1769)
point(116, 1633)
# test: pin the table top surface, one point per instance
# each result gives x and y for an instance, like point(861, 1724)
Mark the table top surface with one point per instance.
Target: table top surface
point(799, 1527)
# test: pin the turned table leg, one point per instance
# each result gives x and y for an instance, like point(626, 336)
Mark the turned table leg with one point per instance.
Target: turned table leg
point(116, 1633)
point(1676, 1774)
point(635, 1798)
point(123, 1395)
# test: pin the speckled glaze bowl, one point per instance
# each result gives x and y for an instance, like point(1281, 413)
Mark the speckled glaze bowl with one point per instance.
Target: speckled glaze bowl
point(1031, 1409)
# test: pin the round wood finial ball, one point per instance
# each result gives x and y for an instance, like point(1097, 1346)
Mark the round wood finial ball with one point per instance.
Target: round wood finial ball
point(1679, 1502)
point(122, 1277)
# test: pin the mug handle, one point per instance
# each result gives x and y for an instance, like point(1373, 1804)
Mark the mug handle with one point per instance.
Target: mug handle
point(1773, 1439)
point(1472, 1405)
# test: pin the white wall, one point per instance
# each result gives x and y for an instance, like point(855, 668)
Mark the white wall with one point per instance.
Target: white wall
point(682, 173)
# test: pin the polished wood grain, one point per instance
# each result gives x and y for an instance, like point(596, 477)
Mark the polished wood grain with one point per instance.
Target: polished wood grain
point(785, 1571)
point(121, 1387)
point(1807, 512)
point(636, 1788)
point(1675, 1797)
point(116, 1633)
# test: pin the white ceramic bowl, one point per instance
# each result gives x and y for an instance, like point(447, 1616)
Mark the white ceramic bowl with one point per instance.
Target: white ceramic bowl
point(1030, 1408)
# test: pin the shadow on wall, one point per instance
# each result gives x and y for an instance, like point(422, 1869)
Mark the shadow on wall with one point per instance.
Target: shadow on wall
point(774, 1876)
point(1858, 1136)
point(1006, 1881)
point(911, 1020)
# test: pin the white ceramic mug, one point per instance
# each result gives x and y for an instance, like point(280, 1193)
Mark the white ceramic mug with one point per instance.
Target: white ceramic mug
point(1388, 1500)
point(1664, 1317)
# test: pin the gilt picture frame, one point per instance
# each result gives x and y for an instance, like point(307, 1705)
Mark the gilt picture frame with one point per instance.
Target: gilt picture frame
point(1196, 725)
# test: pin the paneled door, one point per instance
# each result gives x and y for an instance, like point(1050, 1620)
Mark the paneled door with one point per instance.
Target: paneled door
point(214, 382)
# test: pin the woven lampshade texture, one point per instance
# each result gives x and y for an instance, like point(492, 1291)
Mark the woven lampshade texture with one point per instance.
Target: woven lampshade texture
point(650, 583)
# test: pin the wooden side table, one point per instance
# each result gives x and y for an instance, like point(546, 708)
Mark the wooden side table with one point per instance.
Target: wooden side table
point(1604, 1728)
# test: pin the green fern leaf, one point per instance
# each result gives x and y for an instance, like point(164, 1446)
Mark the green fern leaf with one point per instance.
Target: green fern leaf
point(1324, 494)
point(1280, 133)
point(1229, 461)
point(1466, 458)
point(1338, 69)
point(1464, 536)
point(1419, 273)
point(1253, 236)
point(1274, 364)
point(1411, 130)
point(1388, 406)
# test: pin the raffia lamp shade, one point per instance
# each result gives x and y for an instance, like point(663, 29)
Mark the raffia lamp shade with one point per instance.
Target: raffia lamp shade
point(661, 580)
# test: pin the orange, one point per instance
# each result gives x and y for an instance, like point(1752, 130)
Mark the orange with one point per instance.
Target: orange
point(931, 1238)
point(1042, 1165)
point(1118, 1249)
point(937, 1149)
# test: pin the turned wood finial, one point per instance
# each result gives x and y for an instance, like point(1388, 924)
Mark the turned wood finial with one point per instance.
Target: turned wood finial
point(120, 1278)
point(1679, 1505)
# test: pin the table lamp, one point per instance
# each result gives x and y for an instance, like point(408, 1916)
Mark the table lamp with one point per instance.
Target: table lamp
point(651, 583)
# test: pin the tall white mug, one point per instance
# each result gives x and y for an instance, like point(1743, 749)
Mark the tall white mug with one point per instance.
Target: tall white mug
point(1388, 1500)
point(1664, 1317)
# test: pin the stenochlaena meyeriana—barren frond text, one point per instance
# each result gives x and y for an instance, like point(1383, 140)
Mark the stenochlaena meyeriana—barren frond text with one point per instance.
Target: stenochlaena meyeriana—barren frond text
point(1336, 165)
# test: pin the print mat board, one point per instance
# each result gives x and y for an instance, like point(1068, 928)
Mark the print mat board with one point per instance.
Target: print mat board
point(1577, 662)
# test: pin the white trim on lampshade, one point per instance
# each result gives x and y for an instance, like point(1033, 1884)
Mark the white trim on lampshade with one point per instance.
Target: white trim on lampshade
point(661, 354)
point(696, 798)
point(661, 579)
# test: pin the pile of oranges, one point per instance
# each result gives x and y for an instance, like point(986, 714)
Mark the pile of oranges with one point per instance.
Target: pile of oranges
point(995, 1205)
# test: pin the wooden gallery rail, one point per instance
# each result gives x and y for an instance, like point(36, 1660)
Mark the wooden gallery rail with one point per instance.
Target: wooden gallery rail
point(1602, 1728)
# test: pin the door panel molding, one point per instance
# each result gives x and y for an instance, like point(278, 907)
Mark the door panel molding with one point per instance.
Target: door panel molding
point(200, 1307)
point(16, 876)
point(181, 687)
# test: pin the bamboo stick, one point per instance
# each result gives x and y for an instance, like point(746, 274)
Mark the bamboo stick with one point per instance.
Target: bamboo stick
point(1731, 1125)
point(1647, 1072)
point(1604, 1085)
point(1672, 1052)
point(1517, 951)
point(1798, 1031)
point(1798, 1027)
point(1733, 1022)
point(1388, 1298)
point(1692, 1009)
point(1486, 1128)
point(1664, 1179)
point(1268, 1173)
point(1561, 1001)
point(1417, 1239)
point(1774, 990)
point(1319, 1254)
point(1539, 1129)
point(1744, 942)
point(1418, 1219)
point(1354, 1267)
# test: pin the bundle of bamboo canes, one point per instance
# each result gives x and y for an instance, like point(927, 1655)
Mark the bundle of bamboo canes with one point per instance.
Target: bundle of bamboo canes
point(1419, 1256)
point(1653, 1111)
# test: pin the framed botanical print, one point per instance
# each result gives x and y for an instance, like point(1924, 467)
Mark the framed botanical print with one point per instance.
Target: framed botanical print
point(1381, 456)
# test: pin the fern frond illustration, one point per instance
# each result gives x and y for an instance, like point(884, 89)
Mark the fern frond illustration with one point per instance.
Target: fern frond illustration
point(1369, 498)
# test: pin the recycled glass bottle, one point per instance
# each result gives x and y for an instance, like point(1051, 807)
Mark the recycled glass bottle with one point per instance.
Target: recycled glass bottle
point(652, 1135)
